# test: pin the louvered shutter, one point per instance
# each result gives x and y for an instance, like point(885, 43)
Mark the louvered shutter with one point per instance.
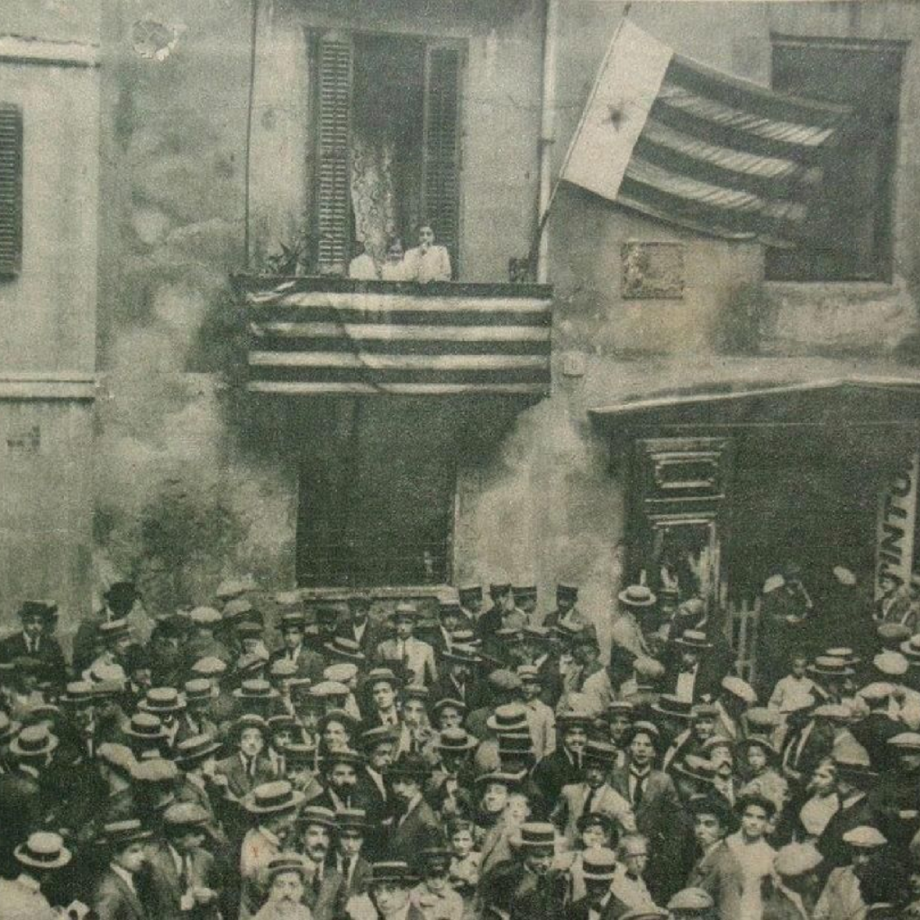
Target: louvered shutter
point(334, 118)
point(10, 190)
point(442, 145)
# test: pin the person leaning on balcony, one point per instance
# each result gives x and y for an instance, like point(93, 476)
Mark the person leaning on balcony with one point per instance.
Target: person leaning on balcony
point(362, 267)
point(427, 262)
point(395, 267)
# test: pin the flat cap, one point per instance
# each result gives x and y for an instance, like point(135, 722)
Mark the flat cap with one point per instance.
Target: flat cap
point(185, 814)
point(740, 688)
point(905, 741)
point(865, 837)
point(691, 899)
point(209, 667)
point(877, 691)
point(796, 859)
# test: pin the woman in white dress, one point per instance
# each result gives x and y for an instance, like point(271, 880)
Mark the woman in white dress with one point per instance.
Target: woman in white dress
point(753, 852)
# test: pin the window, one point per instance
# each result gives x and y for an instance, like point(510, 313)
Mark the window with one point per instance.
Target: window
point(10, 190)
point(377, 486)
point(387, 118)
point(848, 233)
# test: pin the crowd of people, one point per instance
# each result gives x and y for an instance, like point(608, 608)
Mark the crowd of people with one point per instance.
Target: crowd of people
point(329, 762)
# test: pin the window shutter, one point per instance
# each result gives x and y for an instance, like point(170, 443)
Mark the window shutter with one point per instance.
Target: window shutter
point(334, 111)
point(442, 146)
point(10, 190)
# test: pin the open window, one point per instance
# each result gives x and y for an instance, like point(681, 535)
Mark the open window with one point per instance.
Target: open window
point(387, 120)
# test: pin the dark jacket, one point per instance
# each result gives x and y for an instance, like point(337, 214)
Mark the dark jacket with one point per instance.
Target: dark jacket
point(719, 873)
point(414, 832)
point(114, 900)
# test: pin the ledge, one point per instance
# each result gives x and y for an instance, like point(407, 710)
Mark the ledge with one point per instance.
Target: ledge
point(19, 49)
point(382, 593)
point(70, 388)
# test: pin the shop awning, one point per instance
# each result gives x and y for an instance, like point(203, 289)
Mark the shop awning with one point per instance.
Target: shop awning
point(850, 400)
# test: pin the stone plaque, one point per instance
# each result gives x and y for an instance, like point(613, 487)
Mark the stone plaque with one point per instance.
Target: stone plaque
point(653, 271)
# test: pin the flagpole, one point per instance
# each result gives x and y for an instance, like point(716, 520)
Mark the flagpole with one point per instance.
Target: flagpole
point(535, 247)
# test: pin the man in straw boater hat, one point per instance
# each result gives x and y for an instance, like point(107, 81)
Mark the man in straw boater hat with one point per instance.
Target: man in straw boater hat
point(409, 657)
point(248, 764)
point(317, 828)
point(350, 862)
point(285, 876)
point(527, 886)
point(118, 894)
point(273, 808)
point(566, 610)
point(38, 859)
point(461, 664)
point(35, 640)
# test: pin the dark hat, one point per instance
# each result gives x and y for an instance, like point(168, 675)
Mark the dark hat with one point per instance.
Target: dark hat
point(536, 835)
point(162, 699)
point(449, 606)
point(565, 591)
point(184, 815)
point(392, 872)
point(456, 740)
point(299, 752)
point(325, 614)
point(354, 819)
point(343, 756)
point(272, 798)
point(599, 864)
point(673, 707)
point(38, 608)
point(515, 744)
point(121, 593)
point(470, 592)
point(119, 834)
point(342, 647)
point(712, 804)
point(292, 619)
point(408, 766)
point(439, 857)
point(317, 815)
point(249, 628)
point(524, 592)
point(33, 741)
point(282, 721)
point(256, 689)
point(193, 750)
point(43, 850)
point(499, 588)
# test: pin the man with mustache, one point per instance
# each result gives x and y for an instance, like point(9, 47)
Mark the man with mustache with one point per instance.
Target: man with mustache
point(323, 883)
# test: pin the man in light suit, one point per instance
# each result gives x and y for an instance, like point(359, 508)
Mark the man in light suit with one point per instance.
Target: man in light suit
point(593, 794)
point(406, 655)
point(717, 871)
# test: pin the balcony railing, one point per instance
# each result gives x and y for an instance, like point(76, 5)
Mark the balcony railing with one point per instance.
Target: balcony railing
point(318, 335)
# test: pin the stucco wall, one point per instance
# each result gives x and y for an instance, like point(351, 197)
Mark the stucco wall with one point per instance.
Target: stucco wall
point(48, 67)
point(544, 502)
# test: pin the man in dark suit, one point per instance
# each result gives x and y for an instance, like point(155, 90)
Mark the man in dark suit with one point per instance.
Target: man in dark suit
point(356, 625)
point(415, 826)
point(717, 871)
point(183, 877)
point(120, 893)
point(119, 600)
point(341, 789)
point(693, 669)
point(36, 642)
point(324, 885)
point(598, 870)
point(351, 827)
point(654, 801)
point(309, 663)
point(390, 886)
point(563, 766)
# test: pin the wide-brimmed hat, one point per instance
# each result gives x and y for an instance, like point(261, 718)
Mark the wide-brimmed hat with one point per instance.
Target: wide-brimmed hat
point(462, 654)
point(162, 700)
point(196, 748)
point(185, 815)
point(342, 647)
point(392, 872)
point(637, 596)
point(455, 740)
point(699, 769)
point(33, 741)
point(317, 815)
point(511, 717)
point(351, 819)
point(256, 690)
point(273, 798)
point(119, 834)
point(535, 835)
point(329, 689)
point(145, 726)
point(693, 639)
point(599, 864)
point(865, 837)
point(343, 756)
point(43, 850)
point(381, 675)
point(674, 707)
point(891, 664)
point(829, 666)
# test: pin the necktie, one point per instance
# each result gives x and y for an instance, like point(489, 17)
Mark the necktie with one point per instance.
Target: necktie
point(638, 790)
point(589, 801)
point(317, 882)
point(251, 767)
point(346, 869)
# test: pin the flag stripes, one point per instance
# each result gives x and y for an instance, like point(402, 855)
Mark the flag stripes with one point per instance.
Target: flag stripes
point(314, 336)
point(700, 149)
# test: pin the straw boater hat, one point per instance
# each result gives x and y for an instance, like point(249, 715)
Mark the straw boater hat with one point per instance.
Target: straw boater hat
point(33, 741)
point(392, 872)
point(405, 611)
point(342, 756)
point(353, 819)
point(381, 676)
point(796, 859)
point(195, 749)
point(318, 816)
point(248, 720)
point(829, 666)
point(209, 667)
point(43, 850)
point(535, 835)
point(698, 769)
point(162, 700)
point(256, 690)
point(287, 862)
point(345, 648)
point(694, 900)
point(462, 654)
point(511, 717)
point(599, 865)
point(673, 707)
point(637, 597)
point(448, 703)
point(119, 834)
point(694, 640)
point(273, 798)
point(205, 616)
point(455, 740)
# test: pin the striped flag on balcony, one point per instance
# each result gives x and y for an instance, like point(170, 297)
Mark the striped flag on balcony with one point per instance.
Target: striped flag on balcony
point(664, 136)
point(313, 336)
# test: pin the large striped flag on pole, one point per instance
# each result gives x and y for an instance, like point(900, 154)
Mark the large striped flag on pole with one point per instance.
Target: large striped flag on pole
point(677, 141)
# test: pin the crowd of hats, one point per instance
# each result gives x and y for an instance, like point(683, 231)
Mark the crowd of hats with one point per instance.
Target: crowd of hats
point(858, 714)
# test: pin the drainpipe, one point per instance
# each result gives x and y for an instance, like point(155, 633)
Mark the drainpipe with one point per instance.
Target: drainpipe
point(547, 134)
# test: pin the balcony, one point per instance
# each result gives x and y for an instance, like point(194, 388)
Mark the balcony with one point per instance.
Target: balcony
point(312, 335)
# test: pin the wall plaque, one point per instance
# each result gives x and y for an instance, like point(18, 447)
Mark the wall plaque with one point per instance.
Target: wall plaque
point(653, 271)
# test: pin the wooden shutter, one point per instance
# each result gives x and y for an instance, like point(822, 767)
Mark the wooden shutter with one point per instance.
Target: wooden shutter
point(441, 152)
point(10, 190)
point(333, 175)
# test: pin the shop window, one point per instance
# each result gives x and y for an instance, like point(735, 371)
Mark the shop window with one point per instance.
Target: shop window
point(10, 190)
point(377, 492)
point(387, 118)
point(848, 233)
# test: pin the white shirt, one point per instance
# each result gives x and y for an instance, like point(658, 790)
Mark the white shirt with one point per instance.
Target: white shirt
point(124, 875)
point(632, 891)
point(686, 682)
